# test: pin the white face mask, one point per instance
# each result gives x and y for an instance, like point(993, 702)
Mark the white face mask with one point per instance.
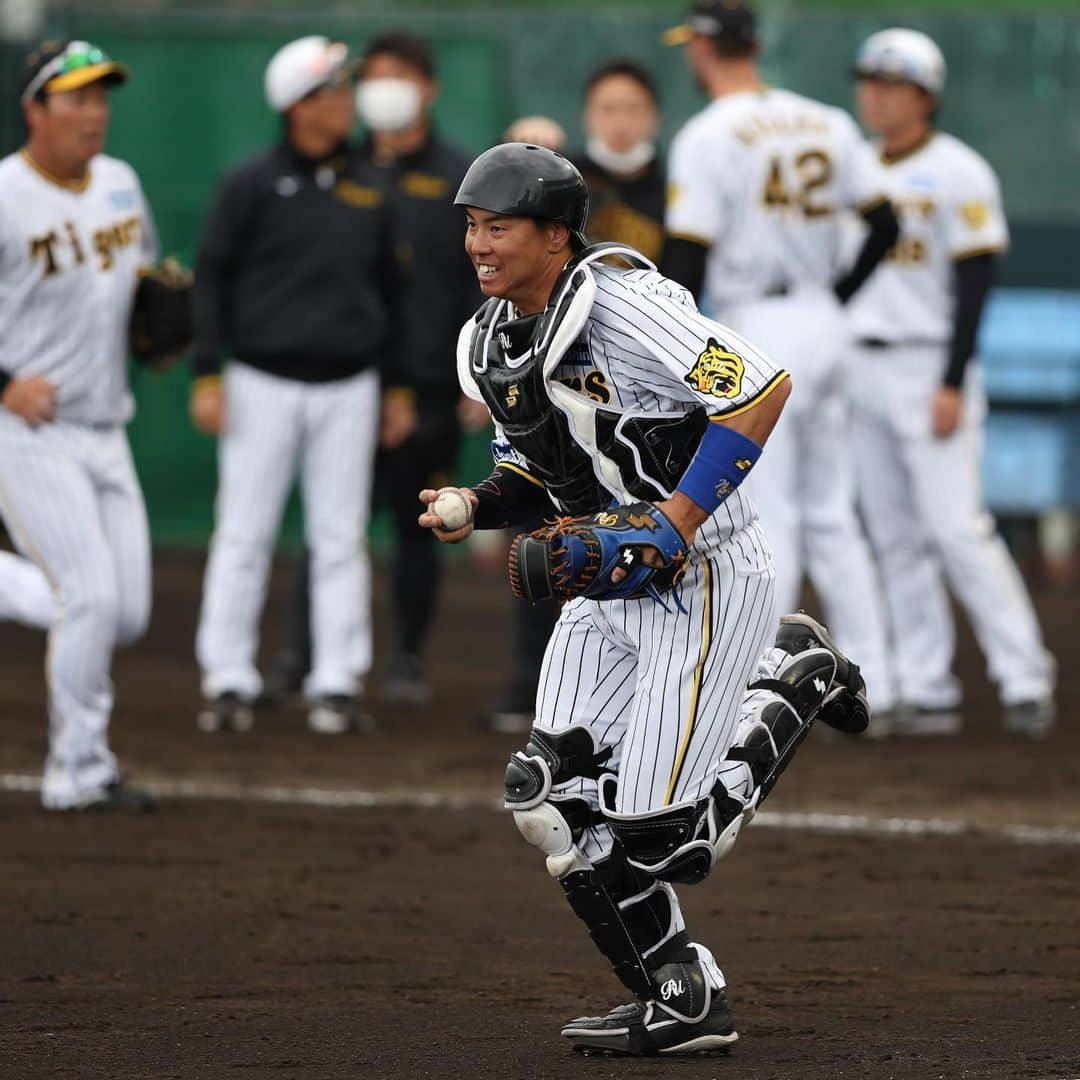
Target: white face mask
point(621, 162)
point(388, 104)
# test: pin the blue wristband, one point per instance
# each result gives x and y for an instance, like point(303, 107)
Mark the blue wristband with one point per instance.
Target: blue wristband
point(721, 463)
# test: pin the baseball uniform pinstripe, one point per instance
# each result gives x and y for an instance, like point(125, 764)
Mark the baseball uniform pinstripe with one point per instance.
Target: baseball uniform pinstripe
point(665, 689)
point(69, 496)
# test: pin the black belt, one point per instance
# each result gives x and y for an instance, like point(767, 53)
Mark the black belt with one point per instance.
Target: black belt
point(913, 343)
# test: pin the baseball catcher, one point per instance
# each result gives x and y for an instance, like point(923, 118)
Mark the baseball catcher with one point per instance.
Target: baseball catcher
point(668, 705)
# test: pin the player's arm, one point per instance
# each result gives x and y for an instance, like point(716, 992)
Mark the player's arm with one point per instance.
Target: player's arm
point(683, 260)
point(693, 216)
point(883, 229)
point(31, 397)
point(701, 362)
point(976, 235)
point(217, 251)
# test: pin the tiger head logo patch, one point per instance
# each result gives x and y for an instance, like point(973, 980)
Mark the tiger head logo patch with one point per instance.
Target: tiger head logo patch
point(717, 372)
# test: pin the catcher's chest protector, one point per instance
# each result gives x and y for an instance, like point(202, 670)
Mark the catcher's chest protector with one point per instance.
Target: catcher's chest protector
point(509, 373)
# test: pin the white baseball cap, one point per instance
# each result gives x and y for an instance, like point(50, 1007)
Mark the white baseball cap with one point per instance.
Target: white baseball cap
point(300, 67)
point(906, 55)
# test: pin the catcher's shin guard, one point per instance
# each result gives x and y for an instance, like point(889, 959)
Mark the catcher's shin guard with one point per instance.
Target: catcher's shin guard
point(769, 738)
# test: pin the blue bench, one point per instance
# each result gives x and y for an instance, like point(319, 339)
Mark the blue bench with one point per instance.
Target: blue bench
point(1029, 346)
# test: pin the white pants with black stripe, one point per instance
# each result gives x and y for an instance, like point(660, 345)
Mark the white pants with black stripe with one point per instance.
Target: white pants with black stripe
point(276, 427)
point(71, 502)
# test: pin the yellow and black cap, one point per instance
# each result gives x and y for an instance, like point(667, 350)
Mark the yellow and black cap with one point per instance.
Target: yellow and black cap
point(730, 21)
point(67, 65)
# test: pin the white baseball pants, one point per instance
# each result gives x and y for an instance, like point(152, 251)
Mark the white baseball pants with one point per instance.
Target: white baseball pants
point(275, 427)
point(71, 501)
point(923, 508)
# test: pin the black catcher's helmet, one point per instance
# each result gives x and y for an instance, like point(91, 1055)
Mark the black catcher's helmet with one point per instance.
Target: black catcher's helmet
point(521, 180)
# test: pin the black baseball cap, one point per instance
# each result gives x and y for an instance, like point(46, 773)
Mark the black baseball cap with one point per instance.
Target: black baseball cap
point(730, 21)
point(67, 65)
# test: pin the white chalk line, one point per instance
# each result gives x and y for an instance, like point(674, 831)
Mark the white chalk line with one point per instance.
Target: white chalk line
point(353, 798)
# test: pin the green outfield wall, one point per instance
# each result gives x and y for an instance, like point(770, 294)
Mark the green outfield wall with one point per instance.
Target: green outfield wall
point(195, 106)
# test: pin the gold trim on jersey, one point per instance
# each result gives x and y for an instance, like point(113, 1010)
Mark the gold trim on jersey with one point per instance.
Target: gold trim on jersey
point(699, 671)
point(690, 238)
point(974, 253)
point(760, 396)
point(521, 472)
point(911, 151)
point(78, 186)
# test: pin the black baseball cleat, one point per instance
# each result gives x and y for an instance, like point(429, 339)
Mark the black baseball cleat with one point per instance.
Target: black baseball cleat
point(226, 712)
point(115, 796)
point(644, 1030)
point(846, 706)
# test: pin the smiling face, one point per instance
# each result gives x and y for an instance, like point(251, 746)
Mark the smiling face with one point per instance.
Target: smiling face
point(70, 126)
point(517, 258)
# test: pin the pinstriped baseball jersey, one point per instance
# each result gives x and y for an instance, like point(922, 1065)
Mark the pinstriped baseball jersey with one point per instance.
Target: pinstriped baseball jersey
point(69, 259)
point(646, 349)
point(761, 177)
point(949, 204)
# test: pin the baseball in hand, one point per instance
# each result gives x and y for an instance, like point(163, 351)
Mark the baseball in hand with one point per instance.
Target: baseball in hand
point(454, 507)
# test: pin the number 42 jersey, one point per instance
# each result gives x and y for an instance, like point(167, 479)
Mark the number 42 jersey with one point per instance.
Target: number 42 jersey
point(763, 179)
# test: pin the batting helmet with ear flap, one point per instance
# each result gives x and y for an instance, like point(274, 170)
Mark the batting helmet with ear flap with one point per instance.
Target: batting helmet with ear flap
point(521, 180)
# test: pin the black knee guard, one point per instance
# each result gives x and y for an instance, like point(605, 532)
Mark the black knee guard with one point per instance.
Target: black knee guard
point(551, 758)
point(679, 843)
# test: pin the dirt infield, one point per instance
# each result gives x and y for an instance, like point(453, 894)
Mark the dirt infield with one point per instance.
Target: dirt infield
point(246, 938)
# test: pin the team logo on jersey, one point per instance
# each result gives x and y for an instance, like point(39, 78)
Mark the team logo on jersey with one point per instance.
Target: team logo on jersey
point(717, 372)
point(975, 214)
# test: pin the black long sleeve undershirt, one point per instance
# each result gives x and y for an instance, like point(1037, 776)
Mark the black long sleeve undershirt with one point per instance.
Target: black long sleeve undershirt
point(509, 497)
point(683, 261)
point(973, 277)
point(884, 228)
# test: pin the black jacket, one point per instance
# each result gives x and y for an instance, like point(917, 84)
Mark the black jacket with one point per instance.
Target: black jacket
point(626, 211)
point(441, 291)
point(297, 271)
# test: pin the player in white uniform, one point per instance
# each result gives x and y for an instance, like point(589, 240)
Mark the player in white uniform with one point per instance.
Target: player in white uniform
point(649, 751)
point(762, 181)
point(919, 404)
point(74, 231)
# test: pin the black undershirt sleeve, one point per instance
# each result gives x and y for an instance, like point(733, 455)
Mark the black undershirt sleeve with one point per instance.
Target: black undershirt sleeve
point(973, 277)
point(884, 230)
point(509, 496)
point(683, 261)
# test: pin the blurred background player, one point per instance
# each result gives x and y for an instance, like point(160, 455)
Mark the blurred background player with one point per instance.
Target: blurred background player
point(624, 173)
point(627, 191)
point(919, 405)
point(421, 171)
point(761, 181)
point(75, 229)
point(296, 279)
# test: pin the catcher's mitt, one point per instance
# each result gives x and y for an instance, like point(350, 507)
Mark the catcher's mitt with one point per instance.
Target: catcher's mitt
point(575, 556)
point(162, 320)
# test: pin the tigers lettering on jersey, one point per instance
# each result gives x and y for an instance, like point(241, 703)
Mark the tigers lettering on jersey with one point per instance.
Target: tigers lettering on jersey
point(593, 383)
point(47, 248)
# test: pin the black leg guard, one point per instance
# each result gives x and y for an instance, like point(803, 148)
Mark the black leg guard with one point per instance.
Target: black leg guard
point(804, 685)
